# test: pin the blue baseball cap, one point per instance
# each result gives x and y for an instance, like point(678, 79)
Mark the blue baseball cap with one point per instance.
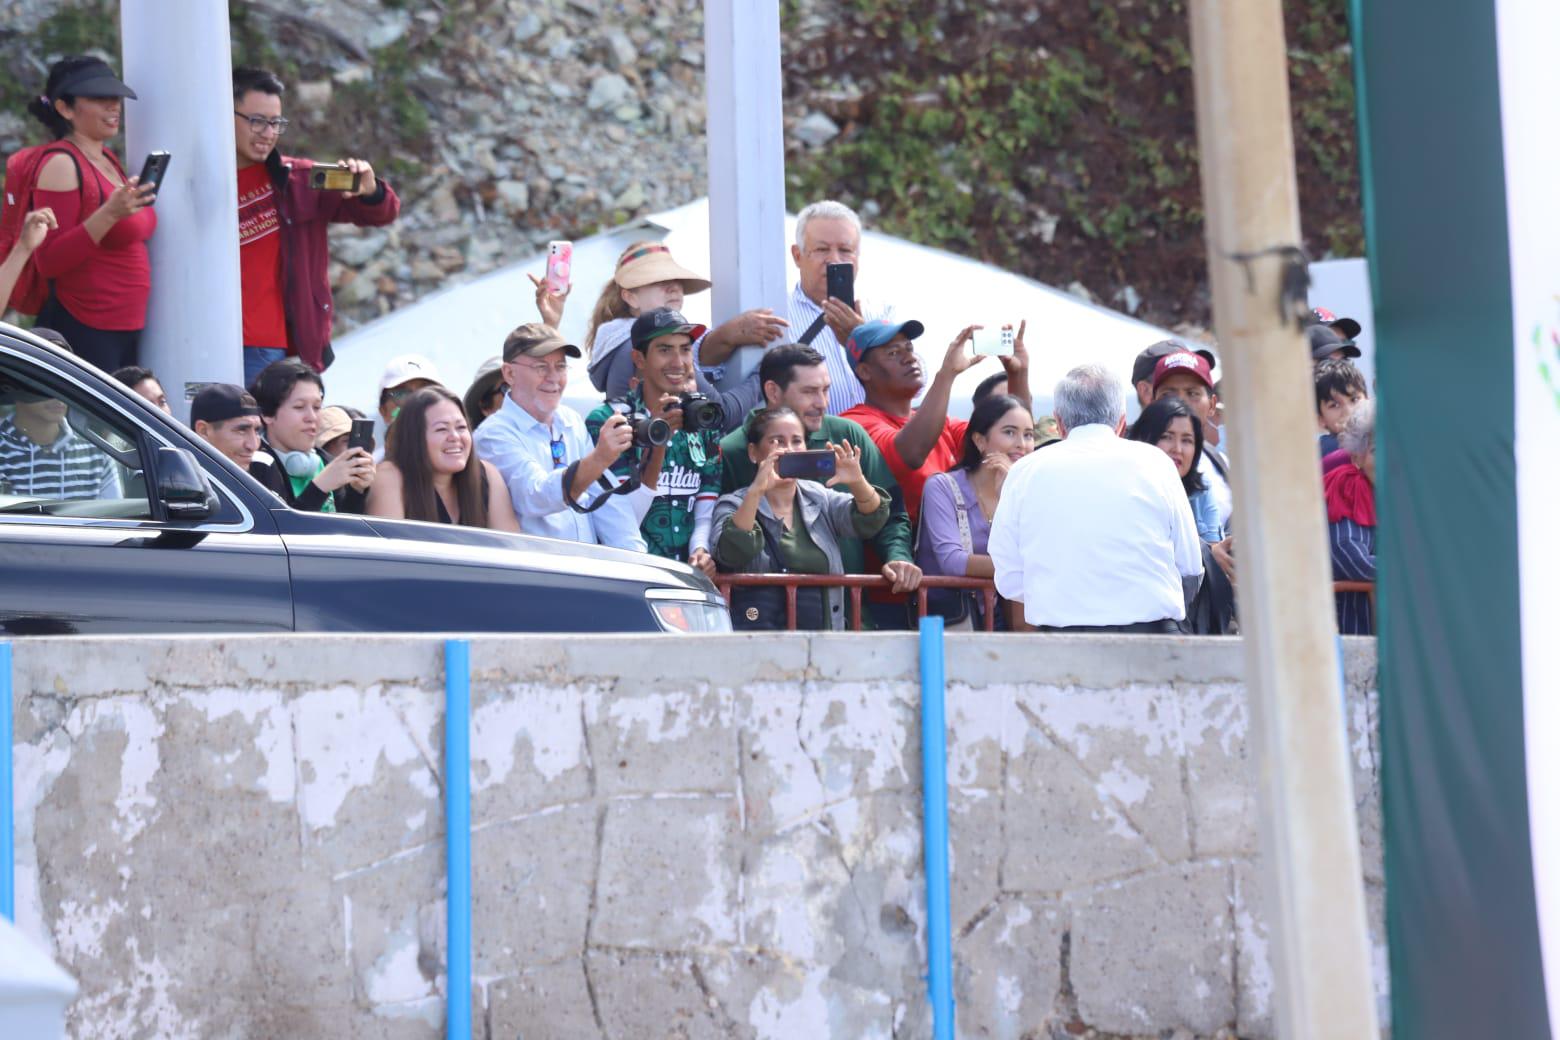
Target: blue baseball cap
point(876, 334)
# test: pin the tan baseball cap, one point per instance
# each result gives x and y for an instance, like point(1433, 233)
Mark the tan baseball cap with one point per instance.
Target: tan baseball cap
point(334, 421)
point(536, 340)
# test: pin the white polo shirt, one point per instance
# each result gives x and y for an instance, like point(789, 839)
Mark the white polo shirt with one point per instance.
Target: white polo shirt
point(1095, 530)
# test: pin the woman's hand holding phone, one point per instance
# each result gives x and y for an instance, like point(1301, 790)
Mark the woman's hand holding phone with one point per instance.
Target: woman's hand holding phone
point(548, 303)
point(130, 197)
point(847, 465)
point(847, 473)
point(353, 466)
point(766, 479)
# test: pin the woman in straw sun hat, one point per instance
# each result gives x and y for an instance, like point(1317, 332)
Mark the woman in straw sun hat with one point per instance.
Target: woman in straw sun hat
point(648, 277)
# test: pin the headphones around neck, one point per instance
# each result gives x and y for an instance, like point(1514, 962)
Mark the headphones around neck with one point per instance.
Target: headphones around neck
point(298, 463)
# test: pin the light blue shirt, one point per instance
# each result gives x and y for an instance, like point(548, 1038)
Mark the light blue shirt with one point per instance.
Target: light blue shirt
point(845, 390)
point(1206, 514)
point(520, 447)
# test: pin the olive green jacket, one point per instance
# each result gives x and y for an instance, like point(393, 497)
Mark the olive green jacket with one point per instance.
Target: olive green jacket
point(892, 543)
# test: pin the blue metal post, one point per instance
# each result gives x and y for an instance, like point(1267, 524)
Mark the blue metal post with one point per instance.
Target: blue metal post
point(457, 835)
point(7, 793)
point(934, 828)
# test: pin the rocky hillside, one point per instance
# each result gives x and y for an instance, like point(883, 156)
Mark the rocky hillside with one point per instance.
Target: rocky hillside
point(1052, 137)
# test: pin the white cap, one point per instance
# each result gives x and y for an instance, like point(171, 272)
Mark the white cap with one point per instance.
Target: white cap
point(406, 368)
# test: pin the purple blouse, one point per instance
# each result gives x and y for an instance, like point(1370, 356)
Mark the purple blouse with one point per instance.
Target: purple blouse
point(940, 550)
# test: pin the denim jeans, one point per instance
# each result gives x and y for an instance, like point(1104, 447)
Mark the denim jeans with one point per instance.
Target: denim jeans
point(256, 358)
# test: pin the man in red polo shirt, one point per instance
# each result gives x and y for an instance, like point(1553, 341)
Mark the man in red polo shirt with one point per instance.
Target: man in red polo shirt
point(917, 442)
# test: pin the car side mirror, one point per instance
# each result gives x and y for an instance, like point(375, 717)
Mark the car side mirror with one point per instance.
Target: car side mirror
point(182, 486)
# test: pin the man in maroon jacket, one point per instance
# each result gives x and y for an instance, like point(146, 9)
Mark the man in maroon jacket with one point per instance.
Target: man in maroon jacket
point(282, 219)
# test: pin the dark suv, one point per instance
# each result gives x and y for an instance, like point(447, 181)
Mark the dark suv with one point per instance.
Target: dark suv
point(129, 523)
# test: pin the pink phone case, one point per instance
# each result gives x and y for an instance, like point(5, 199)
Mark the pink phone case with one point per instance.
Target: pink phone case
point(560, 258)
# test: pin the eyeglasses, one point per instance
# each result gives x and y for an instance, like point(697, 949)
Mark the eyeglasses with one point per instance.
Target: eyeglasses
point(557, 451)
point(399, 393)
point(260, 124)
point(558, 371)
point(498, 390)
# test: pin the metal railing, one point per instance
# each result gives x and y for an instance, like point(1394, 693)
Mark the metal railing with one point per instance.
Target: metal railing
point(854, 584)
point(1367, 587)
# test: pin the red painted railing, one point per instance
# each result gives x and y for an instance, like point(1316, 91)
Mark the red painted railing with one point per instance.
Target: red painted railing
point(855, 583)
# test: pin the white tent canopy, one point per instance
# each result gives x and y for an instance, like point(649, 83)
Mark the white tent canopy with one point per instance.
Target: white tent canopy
point(460, 327)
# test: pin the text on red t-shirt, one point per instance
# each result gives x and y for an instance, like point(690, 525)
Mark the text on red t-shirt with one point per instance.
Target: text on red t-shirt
point(260, 259)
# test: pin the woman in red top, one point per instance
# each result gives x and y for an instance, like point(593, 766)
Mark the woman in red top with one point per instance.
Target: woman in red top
point(95, 260)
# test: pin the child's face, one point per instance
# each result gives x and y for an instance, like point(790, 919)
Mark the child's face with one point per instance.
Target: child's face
point(1335, 411)
point(649, 297)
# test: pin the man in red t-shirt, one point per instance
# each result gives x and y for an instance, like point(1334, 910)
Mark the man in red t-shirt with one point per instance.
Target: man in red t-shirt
point(917, 442)
point(283, 254)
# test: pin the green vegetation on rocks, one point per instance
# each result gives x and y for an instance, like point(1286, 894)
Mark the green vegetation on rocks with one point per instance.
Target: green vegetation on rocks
point(1055, 139)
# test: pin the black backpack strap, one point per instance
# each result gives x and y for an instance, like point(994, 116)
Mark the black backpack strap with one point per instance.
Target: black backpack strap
point(806, 338)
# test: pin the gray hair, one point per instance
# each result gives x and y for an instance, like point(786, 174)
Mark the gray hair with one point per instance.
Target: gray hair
point(1087, 395)
point(828, 209)
point(1359, 431)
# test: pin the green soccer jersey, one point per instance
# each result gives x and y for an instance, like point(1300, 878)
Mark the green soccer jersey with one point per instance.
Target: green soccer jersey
point(690, 476)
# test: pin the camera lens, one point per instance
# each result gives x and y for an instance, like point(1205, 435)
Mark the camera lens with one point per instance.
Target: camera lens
point(649, 432)
point(701, 413)
point(656, 432)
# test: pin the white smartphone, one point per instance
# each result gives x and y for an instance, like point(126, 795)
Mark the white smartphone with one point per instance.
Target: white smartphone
point(994, 339)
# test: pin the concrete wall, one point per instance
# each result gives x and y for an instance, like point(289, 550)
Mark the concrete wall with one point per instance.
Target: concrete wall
point(672, 837)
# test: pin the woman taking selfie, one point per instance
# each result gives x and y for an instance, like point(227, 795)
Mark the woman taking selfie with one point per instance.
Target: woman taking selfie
point(957, 506)
point(782, 524)
point(430, 472)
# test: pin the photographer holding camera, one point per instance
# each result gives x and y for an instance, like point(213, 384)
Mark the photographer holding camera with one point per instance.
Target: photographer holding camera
point(285, 206)
point(539, 446)
point(677, 434)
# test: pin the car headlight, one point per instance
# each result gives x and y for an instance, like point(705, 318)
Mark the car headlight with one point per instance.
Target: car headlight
point(678, 610)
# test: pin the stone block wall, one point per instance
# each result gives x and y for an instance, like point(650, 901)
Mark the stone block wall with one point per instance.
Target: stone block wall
point(715, 837)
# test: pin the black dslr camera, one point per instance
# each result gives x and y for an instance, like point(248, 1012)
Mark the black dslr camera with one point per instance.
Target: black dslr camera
point(701, 413)
point(649, 431)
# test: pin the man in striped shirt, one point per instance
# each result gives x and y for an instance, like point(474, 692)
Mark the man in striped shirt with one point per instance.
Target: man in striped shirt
point(827, 233)
point(42, 457)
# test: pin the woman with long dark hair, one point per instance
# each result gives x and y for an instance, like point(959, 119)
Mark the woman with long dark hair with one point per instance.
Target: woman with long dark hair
point(430, 472)
point(1170, 425)
point(95, 259)
point(957, 506)
point(1001, 431)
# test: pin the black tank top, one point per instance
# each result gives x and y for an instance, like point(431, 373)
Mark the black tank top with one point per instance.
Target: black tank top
point(444, 514)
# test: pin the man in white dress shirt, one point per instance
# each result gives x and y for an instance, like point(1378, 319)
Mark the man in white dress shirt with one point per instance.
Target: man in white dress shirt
point(535, 442)
point(827, 233)
point(1095, 534)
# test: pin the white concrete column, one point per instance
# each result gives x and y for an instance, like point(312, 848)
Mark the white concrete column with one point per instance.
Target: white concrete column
point(746, 140)
point(177, 59)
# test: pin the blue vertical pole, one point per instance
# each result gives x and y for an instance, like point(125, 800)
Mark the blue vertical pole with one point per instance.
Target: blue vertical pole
point(7, 806)
point(934, 828)
point(457, 836)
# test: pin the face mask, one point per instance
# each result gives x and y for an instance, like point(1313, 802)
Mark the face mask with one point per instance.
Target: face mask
point(298, 463)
